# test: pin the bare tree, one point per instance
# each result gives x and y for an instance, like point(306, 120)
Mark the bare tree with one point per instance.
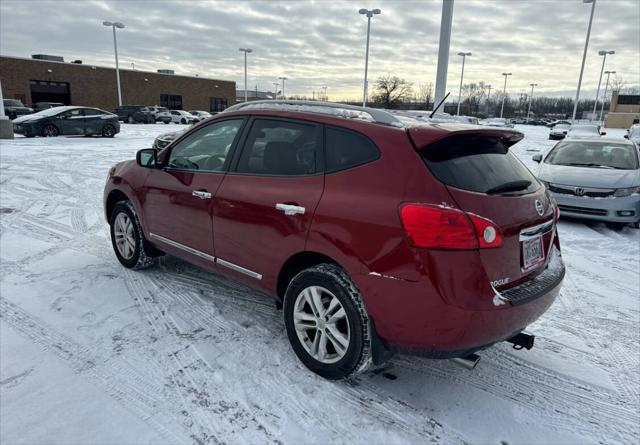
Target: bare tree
point(472, 96)
point(391, 90)
point(424, 95)
point(617, 83)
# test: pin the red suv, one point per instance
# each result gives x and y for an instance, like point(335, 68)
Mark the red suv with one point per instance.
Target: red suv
point(376, 233)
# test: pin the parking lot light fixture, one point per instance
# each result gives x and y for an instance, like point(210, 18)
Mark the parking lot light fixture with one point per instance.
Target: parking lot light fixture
point(115, 25)
point(464, 56)
point(245, 51)
point(532, 85)
point(504, 91)
point(584, 56)
point(604, 98)
point(369, 13)
point(283, 79)
point(276, 85)
point(602, 53)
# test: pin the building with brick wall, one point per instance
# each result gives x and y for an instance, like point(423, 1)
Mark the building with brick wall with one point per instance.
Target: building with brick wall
point(623, 111)
point(36, 80)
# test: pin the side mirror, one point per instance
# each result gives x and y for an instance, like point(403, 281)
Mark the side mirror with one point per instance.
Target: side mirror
point(147, 157)
point(603, 133)
point(537, 158)
point(626, 136)
point(564, 132)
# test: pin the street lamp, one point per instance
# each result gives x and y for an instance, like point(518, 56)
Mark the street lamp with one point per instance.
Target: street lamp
point(115, 25)
point(532, 85)
point(276, 85)
point(604, 59)
point(584, 55)
point(464, 56)
point(245, 51)
point(283, 79)
point(604, 98)
point(324, 94)
point(489, 93)
point(504, 91)
point(369, 13)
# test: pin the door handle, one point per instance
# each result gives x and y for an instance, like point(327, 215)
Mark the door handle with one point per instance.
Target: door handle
point(290, 209)
point(200, 194)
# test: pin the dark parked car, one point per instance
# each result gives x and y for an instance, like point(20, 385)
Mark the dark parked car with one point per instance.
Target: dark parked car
point(39, 106)
point(68, 120)
point(135, 114)
point(375, 233)
point(13, 108)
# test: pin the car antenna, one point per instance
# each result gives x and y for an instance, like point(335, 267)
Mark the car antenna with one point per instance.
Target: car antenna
point(439, 105)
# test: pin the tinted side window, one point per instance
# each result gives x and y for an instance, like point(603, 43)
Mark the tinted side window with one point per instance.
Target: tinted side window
point(476, 163)
point(92, 112)
point(346, 149)
point(280, 148)
point(205, 149)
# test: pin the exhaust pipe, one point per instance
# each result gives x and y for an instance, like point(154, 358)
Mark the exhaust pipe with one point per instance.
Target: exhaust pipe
point(522, 340)
point(468, 362)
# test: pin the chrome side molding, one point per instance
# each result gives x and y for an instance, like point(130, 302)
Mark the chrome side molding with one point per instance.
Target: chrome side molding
point(206, 256)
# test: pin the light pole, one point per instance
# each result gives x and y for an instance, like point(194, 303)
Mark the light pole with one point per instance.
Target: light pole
point(369, 13)
point(464, 56)
point(489, 93)
point(584, 55)
point(604, 59)
point(532, 85)
point(283, 79)
point(115, 25)
point(604, 98)
point(504, 92)
point(324, 94)
point(276, 85)
point(443, 51)
point(245, 51)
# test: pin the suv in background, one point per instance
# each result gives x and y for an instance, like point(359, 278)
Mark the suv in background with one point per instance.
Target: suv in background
point(135, 114)
point(375, 233)
point(14, 108)
point(161, 114)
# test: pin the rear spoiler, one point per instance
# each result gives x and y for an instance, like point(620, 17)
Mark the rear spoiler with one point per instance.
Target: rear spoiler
point(425, 135)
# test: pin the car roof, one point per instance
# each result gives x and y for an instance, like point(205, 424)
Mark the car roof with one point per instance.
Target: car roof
point(604, 140)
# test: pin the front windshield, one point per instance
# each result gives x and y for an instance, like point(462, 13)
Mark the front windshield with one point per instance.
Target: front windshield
point(12, 103)
point(594, 154)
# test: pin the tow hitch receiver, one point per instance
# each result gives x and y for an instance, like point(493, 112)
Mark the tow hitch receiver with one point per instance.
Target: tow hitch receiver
point(522, 340)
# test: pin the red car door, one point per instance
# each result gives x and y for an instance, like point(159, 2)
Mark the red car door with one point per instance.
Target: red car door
point(178, 199)
point(264, 207)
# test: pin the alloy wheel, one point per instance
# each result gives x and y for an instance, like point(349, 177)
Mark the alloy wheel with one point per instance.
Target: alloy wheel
point(50, 130)
point(321, 324)
point(124, 236)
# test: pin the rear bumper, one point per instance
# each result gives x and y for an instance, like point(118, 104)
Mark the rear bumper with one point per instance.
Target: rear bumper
point(623, 210)
point(413, 317)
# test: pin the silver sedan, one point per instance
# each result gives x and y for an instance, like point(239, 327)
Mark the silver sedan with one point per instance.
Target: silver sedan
point(595, 178)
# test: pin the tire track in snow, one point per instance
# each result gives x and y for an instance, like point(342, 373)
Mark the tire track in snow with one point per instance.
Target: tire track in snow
point(120, 382)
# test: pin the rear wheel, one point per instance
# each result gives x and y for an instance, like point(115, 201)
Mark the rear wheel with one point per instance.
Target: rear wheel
point(108, 131)
point(127, 238)
point(50, 130)
point(327, 323)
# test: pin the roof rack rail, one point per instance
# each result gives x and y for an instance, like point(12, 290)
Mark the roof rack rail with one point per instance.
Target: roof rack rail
point(333, 108)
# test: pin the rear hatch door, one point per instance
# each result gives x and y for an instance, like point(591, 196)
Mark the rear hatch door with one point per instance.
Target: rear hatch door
point(485, 178)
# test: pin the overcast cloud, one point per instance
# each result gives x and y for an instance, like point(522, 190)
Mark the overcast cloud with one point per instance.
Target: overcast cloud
point(316, 43)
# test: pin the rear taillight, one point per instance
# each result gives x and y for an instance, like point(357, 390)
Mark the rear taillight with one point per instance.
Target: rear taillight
point(435, 227)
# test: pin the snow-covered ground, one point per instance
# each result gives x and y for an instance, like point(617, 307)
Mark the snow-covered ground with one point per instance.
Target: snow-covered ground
point(94, 353)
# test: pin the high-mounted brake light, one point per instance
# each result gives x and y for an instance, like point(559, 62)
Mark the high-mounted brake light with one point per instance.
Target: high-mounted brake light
point(435, 227)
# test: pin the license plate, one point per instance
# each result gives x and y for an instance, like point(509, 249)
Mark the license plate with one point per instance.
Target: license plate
point(532, 252)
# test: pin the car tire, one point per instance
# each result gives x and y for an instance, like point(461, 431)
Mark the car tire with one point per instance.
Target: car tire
point(50, 130)
point(183, 121)
point(108, 131)
point(327, 323)
point(131, 120)
point(167, 122)
point(131, 248)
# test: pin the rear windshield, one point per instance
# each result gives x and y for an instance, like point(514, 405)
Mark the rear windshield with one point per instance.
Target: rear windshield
point(479, 164)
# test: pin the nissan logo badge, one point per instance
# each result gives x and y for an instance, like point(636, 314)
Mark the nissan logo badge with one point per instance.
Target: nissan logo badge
point(539, 208)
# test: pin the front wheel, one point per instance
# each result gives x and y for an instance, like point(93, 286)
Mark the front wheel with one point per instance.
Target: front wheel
point(327, 324)
point(183, 121)
point(108, 131)
point(50, 130)
point(127, 238)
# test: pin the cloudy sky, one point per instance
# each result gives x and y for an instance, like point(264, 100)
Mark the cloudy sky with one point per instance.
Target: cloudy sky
point(316, 43)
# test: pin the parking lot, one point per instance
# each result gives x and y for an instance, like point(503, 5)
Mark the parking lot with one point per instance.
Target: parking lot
point(93, 352)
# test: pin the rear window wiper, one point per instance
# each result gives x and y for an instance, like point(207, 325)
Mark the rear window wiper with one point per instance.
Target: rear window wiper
point(512, 186)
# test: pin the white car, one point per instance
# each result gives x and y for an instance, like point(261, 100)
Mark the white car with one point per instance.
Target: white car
point(200, 115)
point(161, 114)
point(496, 122)
point(634, 134)
point(559, 131)
point(584, 131)
point(182, 117)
